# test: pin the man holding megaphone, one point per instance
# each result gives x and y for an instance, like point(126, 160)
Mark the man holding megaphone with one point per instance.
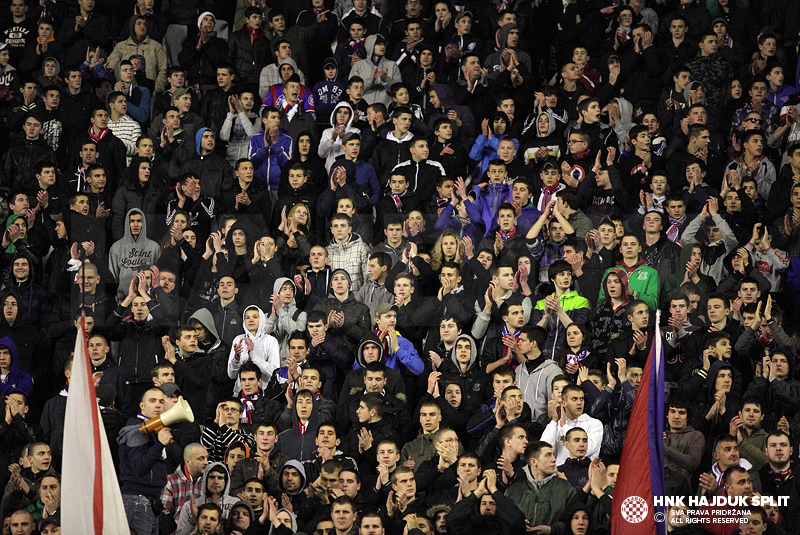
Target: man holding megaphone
point(142, 464)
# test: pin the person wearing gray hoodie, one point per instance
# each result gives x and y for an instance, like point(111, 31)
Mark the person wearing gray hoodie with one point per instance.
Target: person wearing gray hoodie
point(378, 72)
point(284, 317)
point(132, 253)
point(217, 483)
point(271, 74)
point(536, 372)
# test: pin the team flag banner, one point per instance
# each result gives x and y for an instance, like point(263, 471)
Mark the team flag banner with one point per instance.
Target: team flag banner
point(91, 502)
point(641, 468)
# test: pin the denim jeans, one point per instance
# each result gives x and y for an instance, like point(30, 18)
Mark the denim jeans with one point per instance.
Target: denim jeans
point(140, 514)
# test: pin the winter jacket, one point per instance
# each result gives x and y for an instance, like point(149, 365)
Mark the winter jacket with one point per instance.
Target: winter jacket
point(18, 169)
point(201, 65)
point(140, 345)
point(406, 355)
point(268, 161)
point(357, 322)
point(543, 503)
point(130, 254)
point(154, 54)
point(149, 199)
point(249, 57)
point(216, 175)
point(142, 468)
point(297, 444)
point(683, 451)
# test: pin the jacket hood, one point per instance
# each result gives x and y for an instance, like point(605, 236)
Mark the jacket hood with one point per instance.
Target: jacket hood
point(247, 507)
point(574, 508)
point(219, 467)
point(58, 64)
point(504, 31)
point(691, 85)
point(299, 467)
point(276, 287)
point(199, 135)
point(12, 348)
point(551, 125)
point(336, 110)
point(369, 44)
point(625, 110)
point(623, 278)
point(248, 233)
point(204, 318)
point(262, 323)
point(713, 370)
point(445, 95)
point(473, 354)
point(369, 338)
point(128, 237)
point(290, 62)
point(292, 516)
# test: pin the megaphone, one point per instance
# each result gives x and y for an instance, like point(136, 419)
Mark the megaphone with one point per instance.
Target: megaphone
point(181, 412)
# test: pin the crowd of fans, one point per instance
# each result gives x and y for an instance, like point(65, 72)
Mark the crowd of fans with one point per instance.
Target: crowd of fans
point(401, 258)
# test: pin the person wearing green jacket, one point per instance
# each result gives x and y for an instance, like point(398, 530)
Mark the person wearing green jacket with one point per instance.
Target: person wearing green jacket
point(642, 279)
point(539, 493)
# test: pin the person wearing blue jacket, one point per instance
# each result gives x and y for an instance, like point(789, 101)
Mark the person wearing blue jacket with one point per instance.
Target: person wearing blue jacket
point(485, 148)
point(490, 195)
point(397, 350)
point(270, 150)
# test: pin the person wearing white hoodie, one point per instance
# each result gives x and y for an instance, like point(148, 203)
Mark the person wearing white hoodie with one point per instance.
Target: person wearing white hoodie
point(284, 318)
point(330, 147)
point(255, 345)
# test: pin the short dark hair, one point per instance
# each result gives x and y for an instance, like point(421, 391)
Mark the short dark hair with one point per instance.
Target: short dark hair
point(250, 367)
point(535, 448)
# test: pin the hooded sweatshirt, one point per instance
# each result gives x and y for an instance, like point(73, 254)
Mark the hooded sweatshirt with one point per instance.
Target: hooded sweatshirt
point(128, 255)
point(287, 320)
point(535, 379)
point(473, 381)
point(463, 134)
point(492, 62)
point(186, 524)
point(15, 380)
point(406, 354)
point(377, 90)
point(265, 353)
point(329, 148)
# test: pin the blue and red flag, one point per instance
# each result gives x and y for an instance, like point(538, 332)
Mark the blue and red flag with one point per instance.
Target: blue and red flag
point(641, 468)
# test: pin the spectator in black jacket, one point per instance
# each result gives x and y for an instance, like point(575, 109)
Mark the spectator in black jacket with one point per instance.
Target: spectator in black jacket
point(202, 53)
point(249, 55)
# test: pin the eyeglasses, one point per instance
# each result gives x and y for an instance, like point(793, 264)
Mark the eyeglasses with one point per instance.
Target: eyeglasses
point(572, 141)
point(324, 531)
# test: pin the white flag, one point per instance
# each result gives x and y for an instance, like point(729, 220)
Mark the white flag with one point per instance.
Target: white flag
point(91, 501)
